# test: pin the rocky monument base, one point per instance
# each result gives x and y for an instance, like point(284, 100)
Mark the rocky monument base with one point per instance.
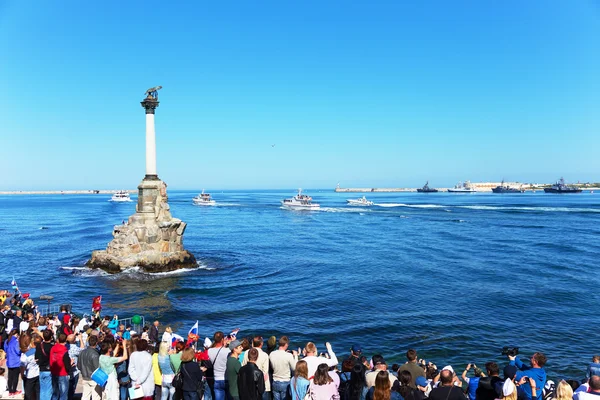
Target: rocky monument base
point(151, 239)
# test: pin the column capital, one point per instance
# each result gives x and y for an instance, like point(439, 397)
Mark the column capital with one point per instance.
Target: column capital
point(149, 104)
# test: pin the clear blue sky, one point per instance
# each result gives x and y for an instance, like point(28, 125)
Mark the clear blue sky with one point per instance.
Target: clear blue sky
point(362, 93)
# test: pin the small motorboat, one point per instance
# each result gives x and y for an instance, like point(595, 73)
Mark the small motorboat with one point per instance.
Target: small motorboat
point(120, 197)
point(204, 199)
point(300, 202)
point(360, 202)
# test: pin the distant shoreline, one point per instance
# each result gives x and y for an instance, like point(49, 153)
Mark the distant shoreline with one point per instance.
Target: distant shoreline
point(410, 190)
point(92, 192)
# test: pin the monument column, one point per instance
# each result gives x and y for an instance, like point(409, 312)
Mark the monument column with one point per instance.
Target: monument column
point(150, 103)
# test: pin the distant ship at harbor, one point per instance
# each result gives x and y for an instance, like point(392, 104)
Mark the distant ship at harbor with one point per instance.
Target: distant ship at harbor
point(504, 188)
point(462, 187)
point(427, 189)
point(561, 187)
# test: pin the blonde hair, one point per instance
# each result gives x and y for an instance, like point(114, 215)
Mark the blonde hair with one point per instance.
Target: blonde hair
point(512, 396)
point(187, 354)
point(168, 329)
point(163, 349)
point(310, 347)
point(564, 391)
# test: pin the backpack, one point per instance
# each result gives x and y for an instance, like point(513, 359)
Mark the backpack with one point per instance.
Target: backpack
point(344, 388)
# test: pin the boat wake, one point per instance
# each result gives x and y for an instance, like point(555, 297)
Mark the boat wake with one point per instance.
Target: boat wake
point(354, 209)
point(388, 205)
point(538, 209)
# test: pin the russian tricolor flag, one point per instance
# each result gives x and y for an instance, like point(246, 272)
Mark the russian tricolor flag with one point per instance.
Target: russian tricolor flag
point(175, 338)
point(194, 330)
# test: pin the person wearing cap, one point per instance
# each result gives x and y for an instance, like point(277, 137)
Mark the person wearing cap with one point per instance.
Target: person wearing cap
point(535, 371)
point(353, 358)
point(411, 366)
point(232, 368)
point(423, 385)
point(282, 363)
point(447, 389)
point(379, 365)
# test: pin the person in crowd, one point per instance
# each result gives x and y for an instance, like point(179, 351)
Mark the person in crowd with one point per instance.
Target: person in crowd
point(233, 368)
point(353, 358)
point(42, 355)
point(140, 369)
point(218, 354)
point(191, 373)
point(251, 380)
point(379, 365)
point(589, 390)
point(535, 371)
point(167, 335)
point(313, 361)
point(322, 386)
point(113, 325)
point(107, 364)
point(509, 390)
point(262, 363)
point(74, 351)
point(127, 333)
point(166, 372)
point(593, 368)
point(455, 379)
point(156, 374)
point(17, 319)
point(447, 390)
point(145, 335)
point(405, 390)
point(29, 367)
point(60, 368)
point(153, 334)
point(299, 383)
point(245, 347)
point(382, 389)
point(488, 387)
point(122, 368)
point(282, 364)
point(3, 383)
point(271, 345)
point(564, 391)
point(472, 383)
point(88, 362)
point(412, 366)
point(423, 386)
point(13, 361)
point(175, 357)
point(356, 388)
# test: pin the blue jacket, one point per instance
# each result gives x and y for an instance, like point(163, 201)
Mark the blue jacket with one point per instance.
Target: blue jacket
point(538, 374)
point(593, 369)
point(113, 325)
point(13, 352)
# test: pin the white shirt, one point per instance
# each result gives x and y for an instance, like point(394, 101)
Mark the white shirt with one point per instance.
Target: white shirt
point(371, 376)
point(282, 363)
point(23, 326)
point(582, 393)
point(313, 362)
point(167, 337)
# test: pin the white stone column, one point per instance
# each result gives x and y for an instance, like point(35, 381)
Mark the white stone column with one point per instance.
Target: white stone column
point(150, 146)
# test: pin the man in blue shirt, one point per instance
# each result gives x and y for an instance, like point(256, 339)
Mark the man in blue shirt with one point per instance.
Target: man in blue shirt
point(535, 371)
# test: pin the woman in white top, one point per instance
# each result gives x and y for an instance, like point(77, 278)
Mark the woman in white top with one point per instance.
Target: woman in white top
point(140, 368)
point(168, 335)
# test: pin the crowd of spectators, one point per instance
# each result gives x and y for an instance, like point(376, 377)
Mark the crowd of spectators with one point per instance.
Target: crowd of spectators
point(54, 355)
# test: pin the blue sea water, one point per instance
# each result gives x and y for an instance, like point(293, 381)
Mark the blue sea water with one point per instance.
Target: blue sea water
point(455, 276)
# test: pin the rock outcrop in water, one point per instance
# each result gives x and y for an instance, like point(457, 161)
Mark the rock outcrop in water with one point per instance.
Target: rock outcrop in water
point(151, 239)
